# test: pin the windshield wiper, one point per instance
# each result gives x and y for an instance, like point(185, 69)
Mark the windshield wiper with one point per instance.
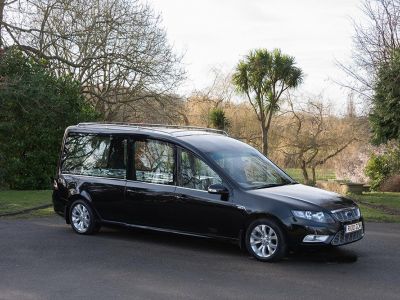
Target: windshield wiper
point(271, 185)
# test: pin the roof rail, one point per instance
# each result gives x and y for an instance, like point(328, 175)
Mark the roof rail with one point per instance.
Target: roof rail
point(155, 126)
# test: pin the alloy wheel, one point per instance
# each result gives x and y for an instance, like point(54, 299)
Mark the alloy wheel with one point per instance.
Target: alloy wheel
point(263, 241)
point(80, 218)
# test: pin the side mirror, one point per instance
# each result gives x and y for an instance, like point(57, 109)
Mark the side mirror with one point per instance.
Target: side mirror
point(218, 189)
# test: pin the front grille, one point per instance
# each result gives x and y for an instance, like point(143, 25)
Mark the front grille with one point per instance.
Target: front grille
point(347, 214)
point(341, 238)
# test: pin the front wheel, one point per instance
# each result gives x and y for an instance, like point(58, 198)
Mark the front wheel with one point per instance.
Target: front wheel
point(265, 240)
point(82, 218)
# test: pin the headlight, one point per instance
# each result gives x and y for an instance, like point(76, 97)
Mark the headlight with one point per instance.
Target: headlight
point(317, 216)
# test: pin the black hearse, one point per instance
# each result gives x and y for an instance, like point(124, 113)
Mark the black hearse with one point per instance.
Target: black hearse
point(194, 181)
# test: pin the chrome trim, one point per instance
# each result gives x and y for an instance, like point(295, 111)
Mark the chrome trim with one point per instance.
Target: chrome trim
point(92, 176)
point(342, 209)
point(145, 182)
point(153, 127)
point(315, 238)
point(347, 214)
point(170, 185)
point(186, 188)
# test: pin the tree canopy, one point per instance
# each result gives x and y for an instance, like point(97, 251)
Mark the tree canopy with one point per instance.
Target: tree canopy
point(116, 49)
point(385, 112)
point(35, 108)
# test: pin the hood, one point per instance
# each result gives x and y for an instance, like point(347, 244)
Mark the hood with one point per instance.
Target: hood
point(303, 195)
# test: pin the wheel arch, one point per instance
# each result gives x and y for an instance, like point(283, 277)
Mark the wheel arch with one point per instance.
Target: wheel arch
point(255, 216)
point(82, 196)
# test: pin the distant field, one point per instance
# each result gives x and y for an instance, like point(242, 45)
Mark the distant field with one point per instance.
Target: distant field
point(322, 174)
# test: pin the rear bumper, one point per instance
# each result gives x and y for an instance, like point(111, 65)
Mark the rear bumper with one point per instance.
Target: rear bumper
point(59, 205)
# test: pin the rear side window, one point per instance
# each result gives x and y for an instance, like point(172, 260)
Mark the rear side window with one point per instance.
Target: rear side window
point(95, 155)
point(154, 162)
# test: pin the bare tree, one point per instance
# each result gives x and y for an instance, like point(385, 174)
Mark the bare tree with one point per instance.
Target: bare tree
point(312, 136)
point(374, 41)
point(212, 97)
point(220, 89)
point(115, 48)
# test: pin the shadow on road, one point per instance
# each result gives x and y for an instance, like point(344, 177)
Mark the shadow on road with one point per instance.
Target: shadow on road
point(323, 255)
point(329, 255)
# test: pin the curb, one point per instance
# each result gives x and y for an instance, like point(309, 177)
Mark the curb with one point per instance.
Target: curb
point(24, 211)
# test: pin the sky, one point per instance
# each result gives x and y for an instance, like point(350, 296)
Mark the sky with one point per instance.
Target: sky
point(218, 33)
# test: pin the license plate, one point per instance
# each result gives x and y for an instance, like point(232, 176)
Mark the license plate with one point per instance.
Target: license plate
point(353, 227)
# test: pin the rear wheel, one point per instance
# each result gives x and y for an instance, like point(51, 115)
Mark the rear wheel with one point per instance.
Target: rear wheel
point(265, 240)
point(82, 218)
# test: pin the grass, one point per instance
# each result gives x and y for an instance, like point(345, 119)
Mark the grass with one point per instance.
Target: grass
point(390, 200)
point(379, 207)
point(322, 174)
point(11, 201)
point(375, 215)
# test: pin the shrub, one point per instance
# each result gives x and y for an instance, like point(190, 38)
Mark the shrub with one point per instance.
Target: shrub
point(381, 166)
point(35, 108)
point(391, 184)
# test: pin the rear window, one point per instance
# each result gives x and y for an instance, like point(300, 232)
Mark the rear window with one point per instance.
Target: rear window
point(95, 155)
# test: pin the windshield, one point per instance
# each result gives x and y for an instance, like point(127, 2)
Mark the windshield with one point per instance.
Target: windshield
point(249, 168)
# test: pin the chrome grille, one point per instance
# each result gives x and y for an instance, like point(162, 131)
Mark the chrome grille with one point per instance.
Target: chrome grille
point(341, 238)
point(347, 214)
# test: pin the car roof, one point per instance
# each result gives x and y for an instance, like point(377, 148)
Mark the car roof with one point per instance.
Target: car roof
point(143, 128)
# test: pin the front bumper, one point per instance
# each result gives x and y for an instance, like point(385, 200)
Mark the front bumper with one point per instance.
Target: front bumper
point(325, 234)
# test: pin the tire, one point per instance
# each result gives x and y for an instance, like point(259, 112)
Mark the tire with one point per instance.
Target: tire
point(82, 218)
point(265, 240)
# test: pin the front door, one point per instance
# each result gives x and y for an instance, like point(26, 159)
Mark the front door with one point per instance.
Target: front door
point(195, 209)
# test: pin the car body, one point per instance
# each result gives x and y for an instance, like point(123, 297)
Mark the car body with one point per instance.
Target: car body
point(193, 181)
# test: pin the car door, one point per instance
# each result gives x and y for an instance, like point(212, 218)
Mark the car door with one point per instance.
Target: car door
point(152, 182)
point(195, 209)
point(94, 166)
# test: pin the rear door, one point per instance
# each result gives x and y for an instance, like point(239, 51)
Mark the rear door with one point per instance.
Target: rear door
point(151, 185)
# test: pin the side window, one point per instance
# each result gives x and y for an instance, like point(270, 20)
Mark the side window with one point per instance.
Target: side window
point(154, 162)
point(195, 173)
point(94, 155)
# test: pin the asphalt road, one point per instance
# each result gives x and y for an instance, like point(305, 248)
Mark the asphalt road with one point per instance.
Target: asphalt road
point(44, 259)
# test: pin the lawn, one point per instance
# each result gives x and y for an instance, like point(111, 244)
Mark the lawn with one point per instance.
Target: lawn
point(391, 200)
point(12, 201)
point(322, 174)
point(378, 206)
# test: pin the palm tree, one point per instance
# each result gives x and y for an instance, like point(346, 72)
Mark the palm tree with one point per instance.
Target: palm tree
point(218, 118)
point(263, 77)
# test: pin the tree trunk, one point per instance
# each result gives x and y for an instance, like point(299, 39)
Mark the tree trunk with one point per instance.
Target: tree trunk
point(314, 179)
point(2, 5)
point(305, 173)
point(264, 138)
